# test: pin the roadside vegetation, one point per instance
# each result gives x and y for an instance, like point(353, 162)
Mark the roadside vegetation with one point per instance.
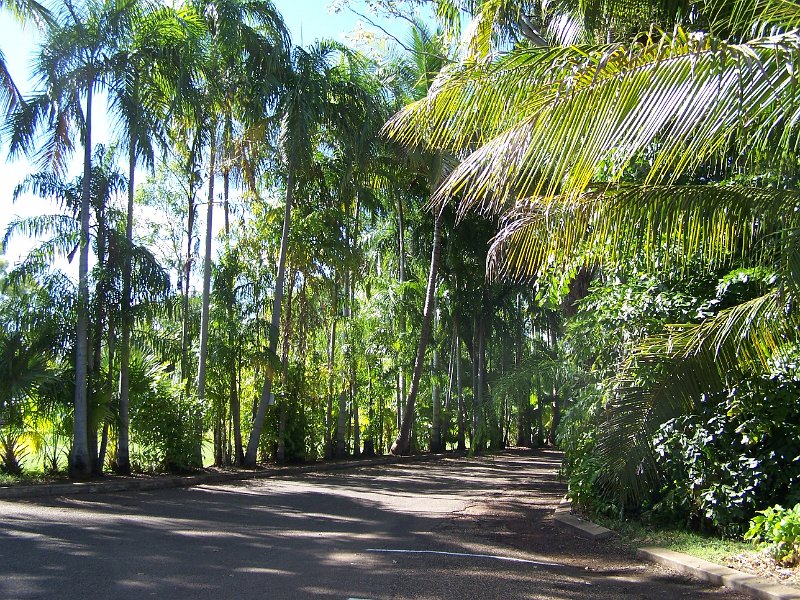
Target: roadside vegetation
point(528, 223)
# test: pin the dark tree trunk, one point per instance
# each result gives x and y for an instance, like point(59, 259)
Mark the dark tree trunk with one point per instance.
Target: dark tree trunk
point(401, 261)
point(283, 408)
point(523, 396)
point(436, 394)
point(123, 465)
point(331, 364)
point(402, 445)
point(97, 412)
point(187, 273)
point(356, 423)
point(461, 441)
point(341, 426)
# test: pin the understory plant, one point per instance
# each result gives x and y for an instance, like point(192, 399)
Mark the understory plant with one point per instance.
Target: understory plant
point(737, 453)
point(780, 527)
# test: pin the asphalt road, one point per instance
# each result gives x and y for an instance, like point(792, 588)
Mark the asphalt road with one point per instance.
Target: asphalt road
point(468, 528)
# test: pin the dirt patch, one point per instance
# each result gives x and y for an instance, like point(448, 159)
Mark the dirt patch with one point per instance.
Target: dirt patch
point(763, 565)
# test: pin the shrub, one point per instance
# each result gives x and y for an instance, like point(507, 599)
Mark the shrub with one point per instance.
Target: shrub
point(165, 425)
point(737, 454)
point(780, 527)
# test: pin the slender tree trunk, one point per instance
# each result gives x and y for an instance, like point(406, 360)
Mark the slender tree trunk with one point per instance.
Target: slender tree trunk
point(95, 363)
point(256, 370)
point(341, 426)
point(236, 414)
point(436, 395)
point(556, 405)
point(447, 416)
point(356, 424)
point(123, 427)
point(344, 415)
point(187, 273)
point(331, 364)
point(481, 382)
point(401, 260)
point(399, 400)
point(369, 443)
point(523, 396)
point(79, 464)
point(380, 424)
point(206, 304)
point(283, 408)
point(204, 316)
point(258, 423)
point(402, 445)
point(101, 457)
point(460, 389)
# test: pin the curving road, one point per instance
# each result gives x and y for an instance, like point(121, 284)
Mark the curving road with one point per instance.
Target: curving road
point(454, 528)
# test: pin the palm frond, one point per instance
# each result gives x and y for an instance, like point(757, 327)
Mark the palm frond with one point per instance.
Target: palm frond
point(567, 117)
point(666, 375)
point(62, 229)
point(10, 96)
point(673, 224)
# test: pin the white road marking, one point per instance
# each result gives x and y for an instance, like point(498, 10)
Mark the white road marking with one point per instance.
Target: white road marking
point(468, 555)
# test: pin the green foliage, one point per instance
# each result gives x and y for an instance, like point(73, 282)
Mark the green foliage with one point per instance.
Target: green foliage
point(705, 475)
point(780, 527)
point(164, 423)
point(736, 454)
point(12, 452)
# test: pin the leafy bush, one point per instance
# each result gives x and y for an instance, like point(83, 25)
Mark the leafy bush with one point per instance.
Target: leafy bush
point(166, 427)
point(781, 528)
point(736, 453)
point(733, 457)
point(12, 453)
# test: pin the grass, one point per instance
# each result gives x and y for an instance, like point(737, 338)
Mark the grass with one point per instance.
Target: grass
point(29, 478)
point(636, 535)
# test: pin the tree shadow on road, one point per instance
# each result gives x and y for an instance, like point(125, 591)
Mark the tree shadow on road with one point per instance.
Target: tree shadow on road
point(325, 535)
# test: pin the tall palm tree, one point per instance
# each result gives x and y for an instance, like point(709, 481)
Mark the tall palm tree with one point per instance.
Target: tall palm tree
point(427, 58)
point(150, 67)
point(72, 64)
point(309, 99)
point(244, 60)
point(549, 136)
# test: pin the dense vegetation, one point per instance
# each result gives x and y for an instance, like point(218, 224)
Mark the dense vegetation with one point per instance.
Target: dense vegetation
point(569, 223)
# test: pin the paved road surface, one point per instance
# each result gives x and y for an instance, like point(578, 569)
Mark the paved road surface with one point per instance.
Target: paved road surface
point(467, 528)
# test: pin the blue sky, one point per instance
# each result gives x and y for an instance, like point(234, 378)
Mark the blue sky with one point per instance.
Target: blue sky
point(307, 20)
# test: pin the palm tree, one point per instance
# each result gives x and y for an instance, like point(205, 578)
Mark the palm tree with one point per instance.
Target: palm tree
point(247, 42)
point(549, 137)
point(64, 232)
point(72, 64)
point(308, 100)
point(427, 59)
point(149, 69)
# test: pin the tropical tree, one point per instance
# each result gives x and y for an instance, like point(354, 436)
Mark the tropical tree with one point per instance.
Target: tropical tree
point(244, 60)
point(150, 63)
point(427, 57)
point(73, 63)
point(309, 100)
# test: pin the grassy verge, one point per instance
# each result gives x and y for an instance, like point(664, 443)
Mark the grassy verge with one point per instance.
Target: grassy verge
point(635, 535)
point(30, 478)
